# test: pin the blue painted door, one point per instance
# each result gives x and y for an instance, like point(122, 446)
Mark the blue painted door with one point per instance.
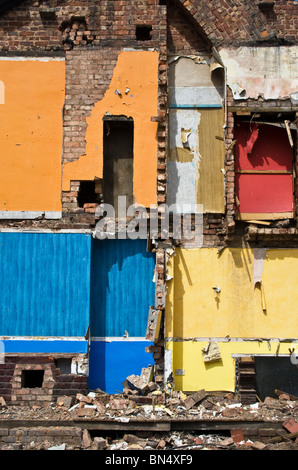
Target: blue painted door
point(122, 290)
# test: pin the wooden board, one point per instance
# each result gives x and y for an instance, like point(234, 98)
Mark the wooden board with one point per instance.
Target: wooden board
point(210, 178)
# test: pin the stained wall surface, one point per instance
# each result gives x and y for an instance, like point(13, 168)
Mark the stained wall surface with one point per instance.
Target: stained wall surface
point(196, 119)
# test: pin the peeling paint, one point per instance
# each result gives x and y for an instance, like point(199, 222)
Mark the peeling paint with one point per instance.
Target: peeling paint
point(182, 171)
point(259, 259)
point(239, 93)
point(211, 352)
point(195, 151)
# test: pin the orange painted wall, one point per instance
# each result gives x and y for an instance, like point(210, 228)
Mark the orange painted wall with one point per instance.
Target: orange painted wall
point(136, 71)
point(31, 134)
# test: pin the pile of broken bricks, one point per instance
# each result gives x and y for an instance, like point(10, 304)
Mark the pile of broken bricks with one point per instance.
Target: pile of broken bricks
point(191, 441)
point(143, 400)
point(201, 405)
point(139, 403)
point(172, 441)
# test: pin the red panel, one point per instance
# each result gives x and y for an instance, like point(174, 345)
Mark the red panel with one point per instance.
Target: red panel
point(262, 147)
point(258, 193)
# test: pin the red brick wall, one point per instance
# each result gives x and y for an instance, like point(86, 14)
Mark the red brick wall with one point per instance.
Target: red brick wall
point(183, 36)
point(98, 30)
point(229, 22)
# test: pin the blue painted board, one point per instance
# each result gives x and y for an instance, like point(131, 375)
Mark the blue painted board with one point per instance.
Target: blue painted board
point(122, 287)
point(112, 362)
point(43, 346)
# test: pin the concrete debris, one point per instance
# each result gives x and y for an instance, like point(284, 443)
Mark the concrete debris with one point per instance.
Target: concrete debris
point(61, 447)
point(227, 442)
point(83, 398)
point(100, 443)
point(2, 403)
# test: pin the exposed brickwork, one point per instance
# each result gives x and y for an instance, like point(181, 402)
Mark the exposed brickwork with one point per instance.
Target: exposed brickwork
point(88, 74)
point(24, 28)
point(282, 18)
point(183, 36)
point(227, 22)
point(230, 173)
point(55, 384)
point(42, 437)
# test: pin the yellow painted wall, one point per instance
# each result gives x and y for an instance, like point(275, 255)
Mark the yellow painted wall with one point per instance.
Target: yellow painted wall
point(136, 71)
point(219, 375)
point(193, 310)
point(32, 97)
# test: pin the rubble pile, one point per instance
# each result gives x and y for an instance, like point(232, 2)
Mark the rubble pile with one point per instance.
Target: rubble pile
point(142, 401)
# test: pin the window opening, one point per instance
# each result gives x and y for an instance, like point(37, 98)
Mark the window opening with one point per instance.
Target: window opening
point(88, 193)
point(264, 168)
point(64, 364)
point(143, 32)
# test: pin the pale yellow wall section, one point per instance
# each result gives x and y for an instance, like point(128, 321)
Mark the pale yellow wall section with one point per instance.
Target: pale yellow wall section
point(136, 78)
point(31, 103)
point(193, 309)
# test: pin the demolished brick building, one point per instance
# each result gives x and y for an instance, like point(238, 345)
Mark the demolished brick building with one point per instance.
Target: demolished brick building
point(158, 104)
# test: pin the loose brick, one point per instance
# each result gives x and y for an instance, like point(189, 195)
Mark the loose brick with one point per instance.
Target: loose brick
point(237, 435)
point(290, 425)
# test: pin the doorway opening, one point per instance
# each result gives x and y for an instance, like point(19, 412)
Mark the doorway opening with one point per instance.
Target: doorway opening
point(118, 160)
